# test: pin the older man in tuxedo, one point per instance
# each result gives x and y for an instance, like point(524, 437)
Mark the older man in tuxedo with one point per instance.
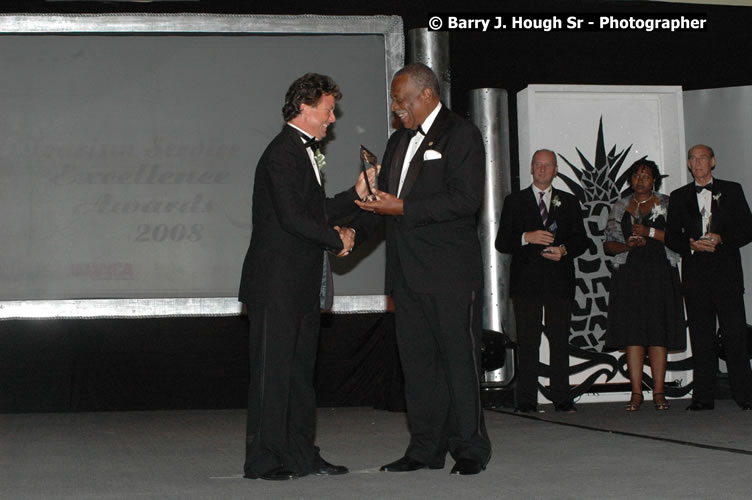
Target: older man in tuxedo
point(542, 228)
point(708, 222)
point(286, 281)
point(433, 173)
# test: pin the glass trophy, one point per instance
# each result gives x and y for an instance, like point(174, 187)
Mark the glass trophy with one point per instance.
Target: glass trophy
point(637, 218)
point(707, 217)
point(368, 160)
point(551, 228)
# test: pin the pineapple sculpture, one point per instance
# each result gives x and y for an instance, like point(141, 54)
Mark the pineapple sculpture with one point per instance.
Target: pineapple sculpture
point(598, 185)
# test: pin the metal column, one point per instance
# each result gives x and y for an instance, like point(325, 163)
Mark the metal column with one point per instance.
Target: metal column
point(490, 113)
point(432, 49)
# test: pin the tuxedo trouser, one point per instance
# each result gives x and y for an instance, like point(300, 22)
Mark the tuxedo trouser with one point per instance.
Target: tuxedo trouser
point(439, 342)
point(281, 424)
point(528, 313)
point(701, 316)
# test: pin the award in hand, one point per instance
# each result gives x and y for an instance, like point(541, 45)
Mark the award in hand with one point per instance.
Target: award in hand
point(367, 160)
point(551, 229)
point(637, 218)
point(707, 218)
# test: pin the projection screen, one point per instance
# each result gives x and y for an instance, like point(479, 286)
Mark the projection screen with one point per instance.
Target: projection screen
point(129, 144)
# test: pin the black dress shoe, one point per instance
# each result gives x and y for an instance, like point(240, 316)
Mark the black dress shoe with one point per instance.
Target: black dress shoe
point(698, 406)
point(746, 406)
point(407, 464)
point(279, 473)
point(467, 467)
point(526, 408)
point(567, 407)
point(324, 468)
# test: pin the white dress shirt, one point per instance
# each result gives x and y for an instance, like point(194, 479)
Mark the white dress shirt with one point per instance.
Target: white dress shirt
point(415, 144)
point(705, 204)
point(546, 200)
point(308, 150)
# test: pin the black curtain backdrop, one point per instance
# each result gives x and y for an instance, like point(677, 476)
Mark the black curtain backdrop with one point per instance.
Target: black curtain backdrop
point(182, 363)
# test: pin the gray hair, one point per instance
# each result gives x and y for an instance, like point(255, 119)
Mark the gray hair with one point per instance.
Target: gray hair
point(422, 77)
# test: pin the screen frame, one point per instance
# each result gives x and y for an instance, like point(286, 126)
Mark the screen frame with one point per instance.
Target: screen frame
point(390, 27)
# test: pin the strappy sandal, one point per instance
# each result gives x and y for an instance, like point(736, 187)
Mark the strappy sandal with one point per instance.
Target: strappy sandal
point(660, 404)
point(632, 405)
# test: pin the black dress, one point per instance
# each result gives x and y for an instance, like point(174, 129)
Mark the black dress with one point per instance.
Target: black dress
point(645, 304)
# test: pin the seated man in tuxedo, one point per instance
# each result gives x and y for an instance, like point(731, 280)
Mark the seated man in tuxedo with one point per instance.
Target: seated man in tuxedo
point(286, 281)
point(542, 228)
point(708, 222)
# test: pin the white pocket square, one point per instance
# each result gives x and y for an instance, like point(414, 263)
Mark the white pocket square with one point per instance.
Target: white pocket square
point(431, 154)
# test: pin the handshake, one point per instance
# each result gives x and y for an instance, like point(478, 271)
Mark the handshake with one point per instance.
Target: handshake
point(347, 235)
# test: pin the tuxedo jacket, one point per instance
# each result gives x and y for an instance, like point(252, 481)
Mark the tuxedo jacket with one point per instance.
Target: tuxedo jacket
point(434, 246)
point(531, 275)
point(292, 225)
point(719, 272)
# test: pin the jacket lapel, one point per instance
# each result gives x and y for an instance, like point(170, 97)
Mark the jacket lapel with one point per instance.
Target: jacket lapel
point(552, 212)
point(532, 202)
point(715, 203)
point(693, 209)
point(305, 160)
point(428, 141)
point(395, 170)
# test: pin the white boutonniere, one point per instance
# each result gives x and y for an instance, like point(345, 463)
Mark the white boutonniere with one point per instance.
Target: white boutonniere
point(717, 198)
point(656, 212)
point(320, 159)
point(555, 201)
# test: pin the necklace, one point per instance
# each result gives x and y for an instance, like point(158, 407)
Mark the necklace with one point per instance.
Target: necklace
point(640, 203)
point(637, 216)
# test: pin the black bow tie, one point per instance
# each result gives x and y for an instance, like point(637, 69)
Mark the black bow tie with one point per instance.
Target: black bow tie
point(312, 143)
point(412, 132)
point(708, 186)
point(309, 142)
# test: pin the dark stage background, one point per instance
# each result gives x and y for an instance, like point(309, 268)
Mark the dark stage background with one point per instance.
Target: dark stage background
point(202, 362)
point(177, 363)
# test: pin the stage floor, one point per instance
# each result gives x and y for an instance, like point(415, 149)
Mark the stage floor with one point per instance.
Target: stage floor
point(599, 452)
